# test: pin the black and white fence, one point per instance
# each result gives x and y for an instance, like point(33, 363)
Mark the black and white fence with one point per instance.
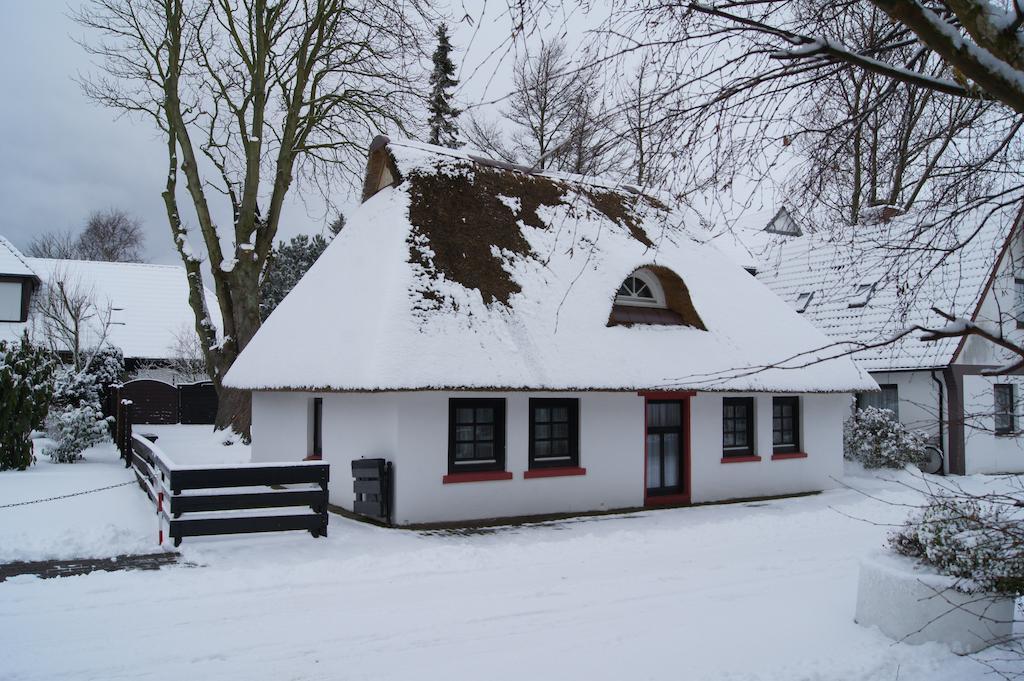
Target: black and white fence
point(195, 501)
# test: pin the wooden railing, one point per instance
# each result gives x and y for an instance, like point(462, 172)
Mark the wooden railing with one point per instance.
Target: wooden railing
point(179, 490)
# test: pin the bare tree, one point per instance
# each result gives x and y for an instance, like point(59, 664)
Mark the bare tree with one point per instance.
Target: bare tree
point(71, 319)
point(248, 96)
point(62, 245)
point(111, 235)
point(646, 125)
point(544, 103)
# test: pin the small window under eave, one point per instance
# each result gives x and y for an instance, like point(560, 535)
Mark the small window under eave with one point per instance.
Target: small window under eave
point(803, 300)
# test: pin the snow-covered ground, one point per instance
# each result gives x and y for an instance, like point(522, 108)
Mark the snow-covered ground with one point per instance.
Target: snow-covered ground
point(99, 524)
point(746, 591)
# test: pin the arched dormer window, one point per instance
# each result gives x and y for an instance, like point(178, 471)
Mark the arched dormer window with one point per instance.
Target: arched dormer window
point(641, 289)
point(654, 295)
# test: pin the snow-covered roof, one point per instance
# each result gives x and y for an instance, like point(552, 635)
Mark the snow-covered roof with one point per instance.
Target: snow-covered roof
point(906, 276)
point(464, 273)
point(149, 303)
point(12, 262)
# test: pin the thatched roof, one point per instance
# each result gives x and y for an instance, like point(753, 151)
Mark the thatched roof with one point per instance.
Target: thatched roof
point(460, 272)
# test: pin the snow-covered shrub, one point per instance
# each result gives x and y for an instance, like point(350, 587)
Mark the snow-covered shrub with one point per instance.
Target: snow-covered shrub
point(107, 366)
point(26, 385)
point(876, 439)
point(76, 420)
point(75, 429)
point(977, 540)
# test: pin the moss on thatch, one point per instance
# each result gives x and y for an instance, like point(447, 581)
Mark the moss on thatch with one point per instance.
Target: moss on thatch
point(463, 213)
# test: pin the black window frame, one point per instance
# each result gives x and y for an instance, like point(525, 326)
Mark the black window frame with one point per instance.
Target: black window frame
point(883, 387)
point(572, 405)
point(499, 435)
point(26, 297)
point(1008, 427)
point(1018, 301)
point(734, 450)
point(318, 427)
point(777, 422)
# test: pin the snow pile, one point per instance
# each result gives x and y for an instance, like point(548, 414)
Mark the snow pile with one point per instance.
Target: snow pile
point(444, 281)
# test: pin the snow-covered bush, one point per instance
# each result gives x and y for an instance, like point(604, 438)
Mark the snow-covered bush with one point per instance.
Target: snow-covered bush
point(876, 439)
point(75, 429)
point(76, 420)
point(978, 540)
point(26, 385)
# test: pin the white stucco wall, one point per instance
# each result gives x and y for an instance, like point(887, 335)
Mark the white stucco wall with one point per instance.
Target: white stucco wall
point(411, 430)
point(985, 451)
point(919, 398)
point(821, 438)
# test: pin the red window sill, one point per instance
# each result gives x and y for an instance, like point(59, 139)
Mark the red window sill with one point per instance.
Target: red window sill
point(789, 455)
point(554, 472)
point(740, 459)
point(668, 500)
point(481, 476)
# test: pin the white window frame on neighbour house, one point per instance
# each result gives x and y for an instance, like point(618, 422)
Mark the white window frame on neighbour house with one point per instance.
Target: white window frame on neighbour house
point(1004, 416)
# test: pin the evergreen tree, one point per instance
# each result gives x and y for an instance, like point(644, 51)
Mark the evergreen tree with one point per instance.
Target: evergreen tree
point(26, 384)
point(337, 224)
point(443, 127)
point(288, 262)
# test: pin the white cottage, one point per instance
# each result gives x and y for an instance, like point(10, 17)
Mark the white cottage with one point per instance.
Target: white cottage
point(518, 344)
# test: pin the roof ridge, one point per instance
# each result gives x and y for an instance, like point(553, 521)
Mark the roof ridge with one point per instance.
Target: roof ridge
point(107, 262)
point(15, 252)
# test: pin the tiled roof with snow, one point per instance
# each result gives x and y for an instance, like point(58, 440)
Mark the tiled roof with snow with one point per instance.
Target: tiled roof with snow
point(912, 266)
point(12, 262)
point(149, 303)
point(466, 274)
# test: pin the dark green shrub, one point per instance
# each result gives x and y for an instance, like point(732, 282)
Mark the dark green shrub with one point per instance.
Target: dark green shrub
point(26, 386)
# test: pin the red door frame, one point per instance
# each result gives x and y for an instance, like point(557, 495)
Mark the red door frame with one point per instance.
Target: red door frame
point(684, 399)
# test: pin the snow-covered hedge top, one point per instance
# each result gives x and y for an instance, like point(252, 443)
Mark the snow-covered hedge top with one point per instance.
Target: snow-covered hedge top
point(463, 275)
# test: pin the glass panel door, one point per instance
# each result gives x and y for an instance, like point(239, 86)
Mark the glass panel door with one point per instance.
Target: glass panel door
point(665, 469)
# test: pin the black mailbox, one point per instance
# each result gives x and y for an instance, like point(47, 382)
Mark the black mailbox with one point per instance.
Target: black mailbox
point(372, 485)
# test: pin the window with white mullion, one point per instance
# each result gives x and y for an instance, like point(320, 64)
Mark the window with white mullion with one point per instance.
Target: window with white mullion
point(476, 436)
point(554, 432)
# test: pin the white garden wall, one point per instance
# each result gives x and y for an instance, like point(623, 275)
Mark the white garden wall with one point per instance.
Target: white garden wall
point(411, 430)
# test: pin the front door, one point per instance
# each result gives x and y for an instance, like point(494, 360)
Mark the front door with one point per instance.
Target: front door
point(665, 448)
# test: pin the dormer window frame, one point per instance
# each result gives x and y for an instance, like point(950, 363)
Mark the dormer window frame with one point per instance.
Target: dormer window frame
point(803, 301)
point(862, 294)
point(653, 285)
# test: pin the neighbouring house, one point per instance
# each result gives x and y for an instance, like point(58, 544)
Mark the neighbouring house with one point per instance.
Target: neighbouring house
point(518, 343)
point(864, 286)
point(140, 308)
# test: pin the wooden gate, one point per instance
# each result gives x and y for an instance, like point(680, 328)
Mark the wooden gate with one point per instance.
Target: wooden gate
point(197, 403)
point(152, 401)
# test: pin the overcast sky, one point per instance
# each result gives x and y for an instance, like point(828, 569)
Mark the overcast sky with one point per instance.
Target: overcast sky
point(61, 156)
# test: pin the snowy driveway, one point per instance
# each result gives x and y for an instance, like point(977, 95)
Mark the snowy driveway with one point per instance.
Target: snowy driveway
point(746, 591)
